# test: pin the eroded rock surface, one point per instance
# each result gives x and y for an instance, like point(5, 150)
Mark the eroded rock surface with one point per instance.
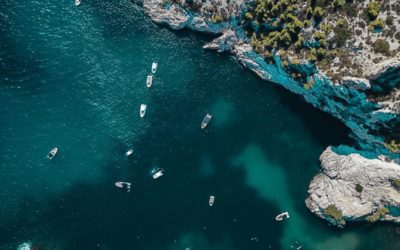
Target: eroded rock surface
point(335, 185)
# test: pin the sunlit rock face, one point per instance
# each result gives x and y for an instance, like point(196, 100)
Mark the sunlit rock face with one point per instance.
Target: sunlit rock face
point(336, 185)
point(373, 123)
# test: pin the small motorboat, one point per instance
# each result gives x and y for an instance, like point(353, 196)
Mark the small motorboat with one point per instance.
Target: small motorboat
point(282, 216)
point(123, 185)
point(149, 81)
point(211, 200)
point(52, 153)
point(77, 2)
point(157, 173)
point(205, 121)
point(154, 67)
point(143, 108)
point(129, 152)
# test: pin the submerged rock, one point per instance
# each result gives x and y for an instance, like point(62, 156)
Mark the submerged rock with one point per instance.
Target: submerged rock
point(336, 186)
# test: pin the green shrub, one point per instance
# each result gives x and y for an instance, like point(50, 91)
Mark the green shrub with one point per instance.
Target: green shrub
point(341, 22)
point(377, 215)
point(393, 146)
point(338, 4)
point(248, 16)
point(216, 18)
point(373, 9)
point(318, 13)
point(359, 188)
point(342, 34)
point(326, 27)
point(389, 20)
point(309, 84)
point(376, 24)
point(334, 213)
point(396, 183)
point(381, 46)
point(312, 55)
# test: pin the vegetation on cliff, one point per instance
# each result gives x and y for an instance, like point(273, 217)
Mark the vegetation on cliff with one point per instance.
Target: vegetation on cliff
point(359, 188)
point(335, 214)
point(328, 33)
point(377, 215)
point(393, 146)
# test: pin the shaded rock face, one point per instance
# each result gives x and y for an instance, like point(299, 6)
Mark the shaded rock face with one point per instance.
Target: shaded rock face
point(340, 175)
point(369, 122)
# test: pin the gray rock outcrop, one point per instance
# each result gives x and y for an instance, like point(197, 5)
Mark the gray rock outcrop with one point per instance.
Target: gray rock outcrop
point(336, 186)
point(175, 17)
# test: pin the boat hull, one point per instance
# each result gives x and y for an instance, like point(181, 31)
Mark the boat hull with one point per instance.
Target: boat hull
point(154, 68)
point(149, 81)
point(205, 121)
point(143, 108)
point(52, 153)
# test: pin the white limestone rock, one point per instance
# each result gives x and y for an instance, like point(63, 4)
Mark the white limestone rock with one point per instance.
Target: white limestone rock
point(380, 68)
point(224, 43)
point(174, 16)
point(356, 83)
point(336, 186)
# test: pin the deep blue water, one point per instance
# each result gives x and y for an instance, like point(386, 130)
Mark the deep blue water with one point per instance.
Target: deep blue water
point(74, 77)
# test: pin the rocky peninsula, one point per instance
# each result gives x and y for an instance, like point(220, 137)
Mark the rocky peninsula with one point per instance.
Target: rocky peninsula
point(343, 58)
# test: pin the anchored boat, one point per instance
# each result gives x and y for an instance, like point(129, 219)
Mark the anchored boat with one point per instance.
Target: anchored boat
point(205, 121)
point(77, 2)
point(129, 152)
point(157, 173)
point(143, 108)
point(52, 153)
point(211, 200)
point(149, 81)
point(154, 67)
point(123, 185)
point(282, 216)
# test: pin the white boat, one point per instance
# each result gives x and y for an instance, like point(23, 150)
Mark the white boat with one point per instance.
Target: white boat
point(149, 81)
point(157, 173)
point(205, 121)
point(211, 200)
point(284, 215)
point(123, 185)
point(77, 2)
point(154, 67)
point(52, 153)
point(143, 108)
point(129, 152)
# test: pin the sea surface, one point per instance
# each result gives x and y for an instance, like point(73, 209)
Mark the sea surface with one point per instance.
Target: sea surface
point(74, 78)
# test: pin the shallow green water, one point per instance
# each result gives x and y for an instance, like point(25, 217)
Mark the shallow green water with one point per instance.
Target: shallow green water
point(75, 78)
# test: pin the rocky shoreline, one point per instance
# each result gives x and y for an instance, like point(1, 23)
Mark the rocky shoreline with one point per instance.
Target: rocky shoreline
point(346, 101)
point(336, 186)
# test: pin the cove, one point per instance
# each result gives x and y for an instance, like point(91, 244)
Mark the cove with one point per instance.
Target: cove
point(75, 77)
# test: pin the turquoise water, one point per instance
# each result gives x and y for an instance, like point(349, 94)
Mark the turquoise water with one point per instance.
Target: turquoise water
point(75, 78)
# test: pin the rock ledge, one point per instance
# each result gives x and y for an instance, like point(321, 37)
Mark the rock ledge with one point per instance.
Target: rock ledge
point(336, 186)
